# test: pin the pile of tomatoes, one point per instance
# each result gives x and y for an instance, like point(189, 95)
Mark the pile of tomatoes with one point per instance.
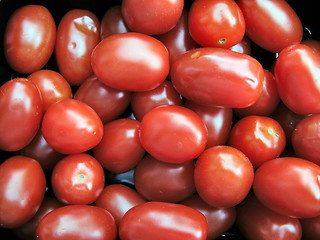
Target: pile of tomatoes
point(153, 120)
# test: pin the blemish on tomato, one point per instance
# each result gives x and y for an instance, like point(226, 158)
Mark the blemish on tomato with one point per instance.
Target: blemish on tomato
point(196, 55)
point(222, 41)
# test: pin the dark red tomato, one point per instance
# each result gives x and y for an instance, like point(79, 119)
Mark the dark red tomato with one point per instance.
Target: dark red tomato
point(201, 76)
point(243, 47)
point(108, 103)
point(256, 221)
point(52, 85)
point(306, 138)
point(296, 72)
point(28, 230)
point(120, 149)
point(71, 126)
point(260, 138)
point(151, 16)
point(143, 102)
point(22, 188)
point(216, 23)
point(266, 103)
point(223, 176)
point(161, 220)
point(173, 134)
point(314, 44)
point(21, 111)
point(77, 179)
point(289, 186)
point(112, 22)
point(77, 222)
point(273, 24)
point(219, 219)
point(29, 38)
point(310, 228)
point(217, 120)
point(77, 35)
point(118, 199)
point(162, 181)
point(131, 61)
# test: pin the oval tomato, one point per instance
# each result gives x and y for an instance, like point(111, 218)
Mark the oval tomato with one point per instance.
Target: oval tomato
point(310, 228)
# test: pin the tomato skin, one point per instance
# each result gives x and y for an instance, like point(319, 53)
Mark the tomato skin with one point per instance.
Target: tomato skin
point(22, 188)
point(150, 221)
point(21, 111)
point(78, 34)
point(314, 44)
point(298, 65)
point(244, 46)
point(273, 25)
point(288, 176)
point(29, 38)
point(77, 222)
point(310, 228)
point(144, 59)
point(201, 76)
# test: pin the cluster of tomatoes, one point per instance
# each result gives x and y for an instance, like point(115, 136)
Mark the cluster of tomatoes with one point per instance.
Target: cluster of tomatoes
point(159, 120)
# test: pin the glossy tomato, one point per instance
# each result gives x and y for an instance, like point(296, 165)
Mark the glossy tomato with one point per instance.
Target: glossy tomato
point(314, 44)
point(218, 77)
point(244, 46)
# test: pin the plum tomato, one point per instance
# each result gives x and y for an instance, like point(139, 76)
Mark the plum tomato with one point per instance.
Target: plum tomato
point(310, 228)
point(289, 186)
point(77, 222)
point(22, 188)
point(216, 23)
point(162, 220)
point(218, 77)
point(29, 38)
point(173, 134)
point(244, 46)
point(223, 176)
point(77, 179)
point(131, 61)
point(71, 126)
point(314, 44)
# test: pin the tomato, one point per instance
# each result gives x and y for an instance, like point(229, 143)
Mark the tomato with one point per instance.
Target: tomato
point(78, 34)
point(259, 222)
point(77, 222)
point(118, 199)
point(161, 220)
point(280, 184)
point(273, 24)
point(21, 111)
point(52, 85)
point(244, 46)
point(173, 134)
point(108, 103)
point(223, 176)
point(310, 228)
point(164, 94)
point(22, 188)
point(71, 126)
point(120, 149)
point(131, 61)
point(29, 38)
point(304, 62)
point(77, 179)
point(151, 16)
point(314, 44)
point(161, 181)
point(259, 138)
point(218, 77)
point(216, 23)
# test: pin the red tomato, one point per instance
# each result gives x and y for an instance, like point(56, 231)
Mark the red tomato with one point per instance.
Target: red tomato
point(71, 126)
point(218, 77)
point(272, 24)
point(173, 134)
point(120, 149)
point(77, 222)
point(22, 188)
point(314, 44)
point(289, 186)
point(77, 179)
point(216, 23)
point(77, 35)
point(299, 91)
point(161, 220)
point(151, 16)
point(21, 111)
point(223, 176)
point(131, 61)
point(29, 38)
point(310, 228)
point(243, 47)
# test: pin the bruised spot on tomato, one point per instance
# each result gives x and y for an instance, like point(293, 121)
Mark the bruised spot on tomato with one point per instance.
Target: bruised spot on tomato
point(196, 55)
point(222, 41)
